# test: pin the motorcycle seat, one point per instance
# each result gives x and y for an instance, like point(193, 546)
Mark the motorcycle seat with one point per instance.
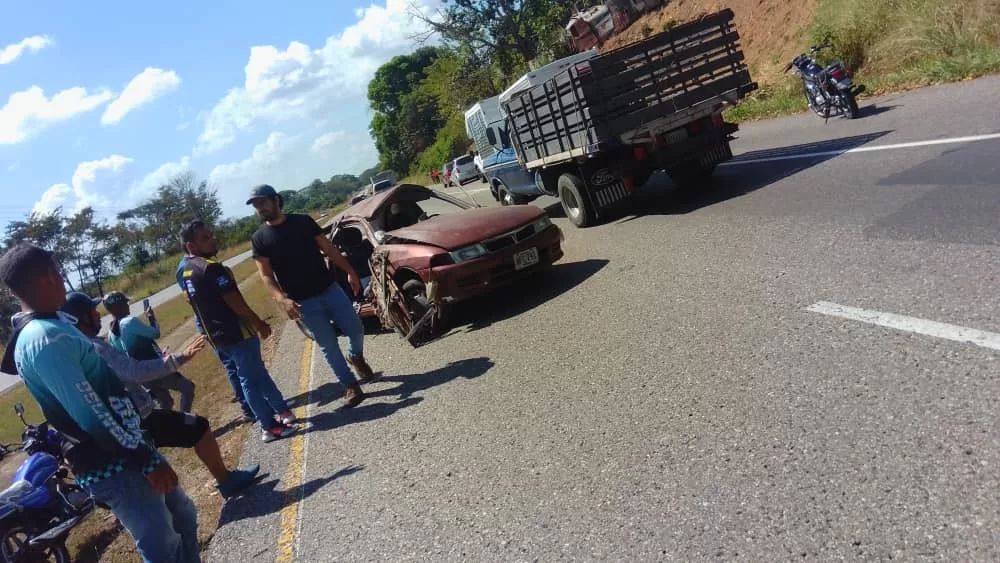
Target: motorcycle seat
point(16, 492)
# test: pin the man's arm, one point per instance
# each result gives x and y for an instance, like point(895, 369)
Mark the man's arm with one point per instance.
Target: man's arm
point(338, 259)
point(143, 371)
point(267, 274)
point(138, 328)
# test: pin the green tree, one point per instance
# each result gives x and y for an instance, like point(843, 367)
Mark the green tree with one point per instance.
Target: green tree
point(179, 201)
point(406, 117)
point(510, 33)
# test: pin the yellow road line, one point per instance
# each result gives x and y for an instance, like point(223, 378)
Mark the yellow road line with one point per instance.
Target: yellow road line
point(296, 461)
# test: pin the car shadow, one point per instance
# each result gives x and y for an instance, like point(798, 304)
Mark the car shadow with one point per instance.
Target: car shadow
point(744, 174)
point(263, 498)
point(511, 301)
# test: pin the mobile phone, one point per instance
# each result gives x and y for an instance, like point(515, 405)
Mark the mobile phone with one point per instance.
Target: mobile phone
point(145, 304)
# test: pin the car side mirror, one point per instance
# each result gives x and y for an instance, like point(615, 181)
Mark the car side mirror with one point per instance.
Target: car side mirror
point(491, 136)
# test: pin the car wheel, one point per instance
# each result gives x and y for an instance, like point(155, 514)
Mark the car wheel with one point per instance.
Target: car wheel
point(505, 197)
point(570, 188)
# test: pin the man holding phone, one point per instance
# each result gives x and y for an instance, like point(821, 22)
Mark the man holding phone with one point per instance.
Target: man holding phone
point(138, 340)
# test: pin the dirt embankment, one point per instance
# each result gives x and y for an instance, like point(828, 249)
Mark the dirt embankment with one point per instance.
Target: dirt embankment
point(771, 32)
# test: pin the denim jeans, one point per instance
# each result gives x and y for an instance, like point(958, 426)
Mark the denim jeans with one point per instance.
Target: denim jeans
point(160, 390)
point(234, 379)
point(164, 527)
point(317, 314)
point(262, 394)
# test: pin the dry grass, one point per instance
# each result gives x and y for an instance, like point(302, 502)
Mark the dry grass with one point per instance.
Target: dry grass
point(160, 274)
point(892, 44)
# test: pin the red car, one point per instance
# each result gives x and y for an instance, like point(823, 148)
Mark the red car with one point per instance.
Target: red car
point(429, 250)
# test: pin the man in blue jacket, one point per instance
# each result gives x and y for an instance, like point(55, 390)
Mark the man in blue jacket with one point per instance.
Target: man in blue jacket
point(81, 397)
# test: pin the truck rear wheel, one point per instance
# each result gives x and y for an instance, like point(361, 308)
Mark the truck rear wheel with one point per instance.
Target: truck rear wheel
point(570, 188)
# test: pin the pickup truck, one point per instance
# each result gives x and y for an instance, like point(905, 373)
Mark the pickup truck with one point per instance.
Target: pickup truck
point(594, 132)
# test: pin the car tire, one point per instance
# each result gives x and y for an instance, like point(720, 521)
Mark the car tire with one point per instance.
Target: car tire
point(505, 197)
point(570, 189)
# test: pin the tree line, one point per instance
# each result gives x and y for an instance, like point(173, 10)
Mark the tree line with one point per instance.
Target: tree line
point(96, 255)
point(419, 99)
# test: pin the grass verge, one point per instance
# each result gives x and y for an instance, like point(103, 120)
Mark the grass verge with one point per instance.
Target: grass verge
point(894, 45)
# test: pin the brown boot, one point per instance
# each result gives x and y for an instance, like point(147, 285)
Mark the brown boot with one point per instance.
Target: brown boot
point(354, 395)
point(361, 367)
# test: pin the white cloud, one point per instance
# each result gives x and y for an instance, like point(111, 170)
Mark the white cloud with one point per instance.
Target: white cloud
point(85, 187)
point(86, 177)
point(289, 163)
point(325, 141)
point(52, 199)
point(298, 81)
point(32, 44)
point(160, 176)
point(147, 86)
point(30, 111)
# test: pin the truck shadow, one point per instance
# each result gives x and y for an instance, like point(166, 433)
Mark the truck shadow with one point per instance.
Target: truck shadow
point(743, 174)
point(511, 301)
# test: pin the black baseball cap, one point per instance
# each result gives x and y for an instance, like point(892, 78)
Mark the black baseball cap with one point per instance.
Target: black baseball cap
point(79, 304)
point(260, 191)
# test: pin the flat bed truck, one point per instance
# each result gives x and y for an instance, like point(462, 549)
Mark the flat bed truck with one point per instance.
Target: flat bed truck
point(595, 132)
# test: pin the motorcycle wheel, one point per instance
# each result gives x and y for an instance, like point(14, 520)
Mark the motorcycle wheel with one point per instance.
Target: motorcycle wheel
point(14, 548)
point(853, 112)
point(821, 111)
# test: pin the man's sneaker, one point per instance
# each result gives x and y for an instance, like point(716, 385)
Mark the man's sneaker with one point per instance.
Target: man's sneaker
point(238, 480)
point(354, 395)
point(277, 433)
point(286, 418)
point(364, 371)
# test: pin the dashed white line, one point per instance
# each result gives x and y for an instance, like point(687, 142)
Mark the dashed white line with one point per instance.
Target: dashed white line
point(952, 140)
point(945, 331)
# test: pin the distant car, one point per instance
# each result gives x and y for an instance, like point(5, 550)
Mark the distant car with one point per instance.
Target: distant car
point(427, 239)
point(464, 170)
point(382, 186)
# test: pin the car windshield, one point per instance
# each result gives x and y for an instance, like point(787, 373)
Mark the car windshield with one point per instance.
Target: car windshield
point(435, 205)
point(383, 185)
point(463, 160)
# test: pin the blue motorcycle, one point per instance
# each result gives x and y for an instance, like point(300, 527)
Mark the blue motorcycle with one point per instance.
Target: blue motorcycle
point(42, 505)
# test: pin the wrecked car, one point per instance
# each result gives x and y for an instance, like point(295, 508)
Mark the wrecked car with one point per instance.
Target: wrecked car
point(418, 251)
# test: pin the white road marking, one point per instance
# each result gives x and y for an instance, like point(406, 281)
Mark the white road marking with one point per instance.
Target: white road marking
point(897, 146)
point(946, 331)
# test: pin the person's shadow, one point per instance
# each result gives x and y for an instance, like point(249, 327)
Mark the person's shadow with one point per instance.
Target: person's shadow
point(263, 498)
point(414, 383)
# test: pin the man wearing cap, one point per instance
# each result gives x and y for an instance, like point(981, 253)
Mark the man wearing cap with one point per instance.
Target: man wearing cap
point(289, 251)
point(138, 340)
point(167, 428)
point(227, 362)
point(81, 397)
point(233, 328)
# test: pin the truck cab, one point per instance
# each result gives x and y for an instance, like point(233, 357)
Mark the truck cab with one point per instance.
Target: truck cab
point(510, 183)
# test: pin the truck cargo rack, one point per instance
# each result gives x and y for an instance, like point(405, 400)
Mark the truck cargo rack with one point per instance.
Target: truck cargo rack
point(633, 92)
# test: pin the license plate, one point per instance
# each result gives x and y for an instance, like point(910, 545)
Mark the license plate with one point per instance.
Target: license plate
point(525, 258)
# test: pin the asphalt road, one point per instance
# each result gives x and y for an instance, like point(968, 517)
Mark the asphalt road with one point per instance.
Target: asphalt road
point(664, 393)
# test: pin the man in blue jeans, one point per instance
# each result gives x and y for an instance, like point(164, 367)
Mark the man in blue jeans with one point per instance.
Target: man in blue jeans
point(289, 250)
point(233, 327)
point(227, 362)
point(81, 397)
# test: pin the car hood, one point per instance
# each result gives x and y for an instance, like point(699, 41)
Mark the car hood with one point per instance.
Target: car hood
point(457, 230)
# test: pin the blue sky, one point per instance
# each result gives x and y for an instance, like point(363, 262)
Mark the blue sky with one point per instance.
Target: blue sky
point(101, 101)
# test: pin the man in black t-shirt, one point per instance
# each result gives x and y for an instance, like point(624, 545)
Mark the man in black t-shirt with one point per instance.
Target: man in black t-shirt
point(289, 250)
point(233, 328)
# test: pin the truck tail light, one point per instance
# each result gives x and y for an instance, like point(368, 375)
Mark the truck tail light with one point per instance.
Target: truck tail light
point(717, 120)
point(639, 152)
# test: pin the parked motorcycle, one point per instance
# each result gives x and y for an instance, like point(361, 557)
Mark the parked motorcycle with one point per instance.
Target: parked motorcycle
point(43, 503)
point(829, 91)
